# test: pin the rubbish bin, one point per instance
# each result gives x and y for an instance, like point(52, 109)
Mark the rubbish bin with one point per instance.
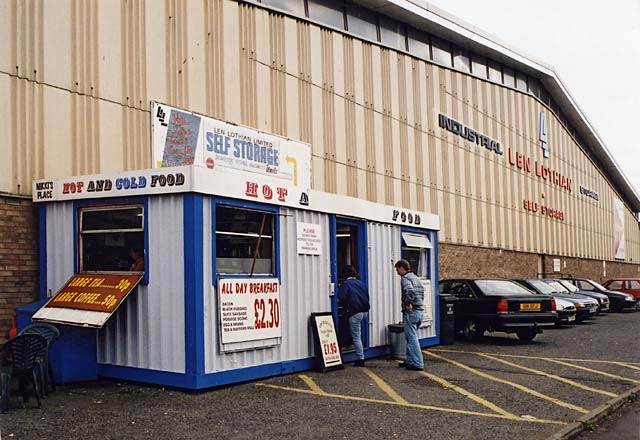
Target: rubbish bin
point(447, 319)
point(397, 341)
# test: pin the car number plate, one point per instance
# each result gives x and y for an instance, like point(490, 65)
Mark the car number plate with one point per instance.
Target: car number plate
point(571, 318)
point(530, 306)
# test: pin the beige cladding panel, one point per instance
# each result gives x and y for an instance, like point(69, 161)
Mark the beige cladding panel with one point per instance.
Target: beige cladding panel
point(369, 113)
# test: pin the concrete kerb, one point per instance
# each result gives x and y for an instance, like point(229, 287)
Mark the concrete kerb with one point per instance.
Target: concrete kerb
point(575, 428)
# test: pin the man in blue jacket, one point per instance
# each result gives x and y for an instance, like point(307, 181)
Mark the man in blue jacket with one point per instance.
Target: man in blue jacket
point(354, 297)
point(412, 309)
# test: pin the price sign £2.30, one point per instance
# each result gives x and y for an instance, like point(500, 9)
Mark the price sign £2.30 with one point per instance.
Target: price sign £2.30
point(249, 309)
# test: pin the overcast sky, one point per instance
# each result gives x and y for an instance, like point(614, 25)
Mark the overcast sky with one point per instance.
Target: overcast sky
point(593, 46)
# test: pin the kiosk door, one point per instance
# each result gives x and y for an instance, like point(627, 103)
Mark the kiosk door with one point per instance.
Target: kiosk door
point(348, 249)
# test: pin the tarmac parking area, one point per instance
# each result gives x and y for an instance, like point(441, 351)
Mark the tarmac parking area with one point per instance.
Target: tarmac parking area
point(494, 388)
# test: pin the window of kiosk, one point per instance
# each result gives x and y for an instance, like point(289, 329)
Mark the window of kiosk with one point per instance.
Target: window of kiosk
point(244, 241)
point(112, 238)
point(416, 249)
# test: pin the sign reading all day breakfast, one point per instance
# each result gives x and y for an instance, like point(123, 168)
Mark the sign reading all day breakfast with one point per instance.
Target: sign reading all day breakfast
point(249, 309)
point(181, 137)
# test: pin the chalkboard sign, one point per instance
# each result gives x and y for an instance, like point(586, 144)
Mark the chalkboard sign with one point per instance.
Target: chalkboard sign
point(326, 341)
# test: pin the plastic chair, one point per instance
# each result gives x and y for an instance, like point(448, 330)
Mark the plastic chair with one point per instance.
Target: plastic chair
point(50, 333)
point(25, 350)
point(6, 368)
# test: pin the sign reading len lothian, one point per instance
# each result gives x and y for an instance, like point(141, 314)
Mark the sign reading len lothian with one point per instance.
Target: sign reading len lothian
point(249, 309)
point(95, 292)
point(181, 137)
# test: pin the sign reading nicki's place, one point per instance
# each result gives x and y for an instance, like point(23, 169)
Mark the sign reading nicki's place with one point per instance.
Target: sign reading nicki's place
point(469, 134)
point(249, 309)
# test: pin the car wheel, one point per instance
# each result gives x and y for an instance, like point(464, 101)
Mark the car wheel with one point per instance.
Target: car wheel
point(638, 306)
point(472, 330)
point(526, 334)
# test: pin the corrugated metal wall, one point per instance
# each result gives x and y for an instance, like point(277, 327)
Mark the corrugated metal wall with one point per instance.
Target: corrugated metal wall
point(384, 284)
point(147, 331)
point(59, 245)
point(77, 76)
point(304, 289)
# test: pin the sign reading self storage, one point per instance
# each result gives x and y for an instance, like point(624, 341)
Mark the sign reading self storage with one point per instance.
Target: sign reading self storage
point(88, 299)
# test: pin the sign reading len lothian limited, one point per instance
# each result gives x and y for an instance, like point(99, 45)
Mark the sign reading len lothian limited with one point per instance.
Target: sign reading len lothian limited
point(181, 137)
point(249, 309)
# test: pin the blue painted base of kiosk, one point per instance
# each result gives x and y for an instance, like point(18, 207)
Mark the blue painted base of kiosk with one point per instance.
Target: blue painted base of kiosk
point(73, 356)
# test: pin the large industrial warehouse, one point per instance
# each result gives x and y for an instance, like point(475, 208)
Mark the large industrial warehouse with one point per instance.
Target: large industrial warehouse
point(401, 105)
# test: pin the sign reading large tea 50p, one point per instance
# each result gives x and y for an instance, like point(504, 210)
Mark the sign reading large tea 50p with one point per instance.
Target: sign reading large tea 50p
point(184, 138)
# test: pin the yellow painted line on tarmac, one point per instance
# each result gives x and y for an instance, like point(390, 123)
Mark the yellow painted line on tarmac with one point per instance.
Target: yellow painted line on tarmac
point(413, 405)
point(513, 384)
point(549, 375)
point(445, 383)
point(591, 370)
point(385, 387)
point(597, 361)
point(626, 364)
point(313, 386)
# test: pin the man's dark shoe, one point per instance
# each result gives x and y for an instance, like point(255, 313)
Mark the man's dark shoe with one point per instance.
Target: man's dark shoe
point(359, 363)
point(414, 368)
point(402, 365)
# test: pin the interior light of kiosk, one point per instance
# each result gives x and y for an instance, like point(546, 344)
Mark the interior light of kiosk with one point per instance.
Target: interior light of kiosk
point(242, 234)
point(343, 235)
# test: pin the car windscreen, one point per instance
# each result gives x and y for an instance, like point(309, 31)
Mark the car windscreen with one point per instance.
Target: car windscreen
point(599, 286)
point(501, 288)
point(558, 286)
point(541, 286)
point(568, 285)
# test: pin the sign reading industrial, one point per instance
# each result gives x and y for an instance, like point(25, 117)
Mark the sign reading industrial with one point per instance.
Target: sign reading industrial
point(469, 134)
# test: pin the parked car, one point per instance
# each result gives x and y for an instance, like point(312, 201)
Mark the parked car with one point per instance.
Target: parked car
point(499, 305)
point(565, 286)
point(570, 308)
point(626, 285)
point(619, 300)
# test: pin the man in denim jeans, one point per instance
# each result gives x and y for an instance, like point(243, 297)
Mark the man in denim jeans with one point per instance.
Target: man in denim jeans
point(354, 297)
point(412, 308)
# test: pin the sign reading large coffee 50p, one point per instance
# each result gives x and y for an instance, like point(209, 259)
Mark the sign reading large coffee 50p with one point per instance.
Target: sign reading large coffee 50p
point(249, 309)
point(184, 138)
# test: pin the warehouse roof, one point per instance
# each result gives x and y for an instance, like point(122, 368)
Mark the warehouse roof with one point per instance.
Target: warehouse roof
point(437, 22)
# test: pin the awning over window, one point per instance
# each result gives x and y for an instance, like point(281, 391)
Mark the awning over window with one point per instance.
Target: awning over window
point(416, 240)
point(88, 299)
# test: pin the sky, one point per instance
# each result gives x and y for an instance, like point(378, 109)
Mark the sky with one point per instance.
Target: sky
point(592, 45)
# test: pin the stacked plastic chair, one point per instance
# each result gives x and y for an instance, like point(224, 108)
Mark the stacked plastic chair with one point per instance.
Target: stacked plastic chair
point(24, 352)
point(6, 368)
point(50, 333)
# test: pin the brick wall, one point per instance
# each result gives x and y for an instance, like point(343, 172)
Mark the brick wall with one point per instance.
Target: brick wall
point(18, 257)
point(475, 262)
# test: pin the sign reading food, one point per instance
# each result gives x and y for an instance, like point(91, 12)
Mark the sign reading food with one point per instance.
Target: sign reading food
point(95, 292)
point(249, 309)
